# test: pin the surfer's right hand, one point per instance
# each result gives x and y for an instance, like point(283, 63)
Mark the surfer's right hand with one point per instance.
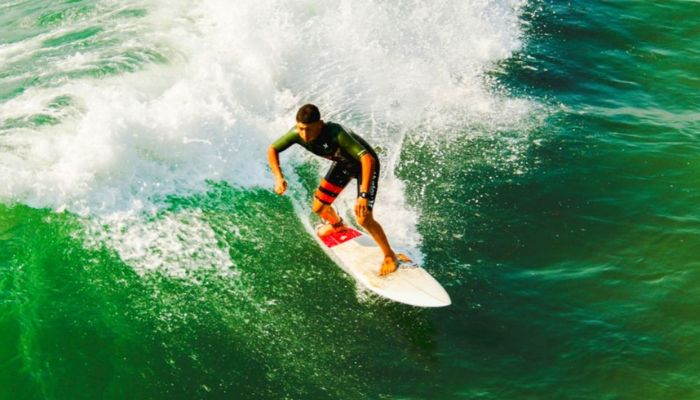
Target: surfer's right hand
point(280, 185)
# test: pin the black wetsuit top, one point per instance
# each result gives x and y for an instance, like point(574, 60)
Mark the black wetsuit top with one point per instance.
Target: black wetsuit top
point(335, 143)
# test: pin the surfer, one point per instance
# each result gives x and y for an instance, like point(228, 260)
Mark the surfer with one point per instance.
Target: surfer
point(352, 158)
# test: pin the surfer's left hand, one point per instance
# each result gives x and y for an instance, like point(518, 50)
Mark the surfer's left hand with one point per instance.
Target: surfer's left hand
point(361, 208)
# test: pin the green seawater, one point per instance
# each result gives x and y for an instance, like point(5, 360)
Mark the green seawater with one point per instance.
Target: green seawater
point(573, 272)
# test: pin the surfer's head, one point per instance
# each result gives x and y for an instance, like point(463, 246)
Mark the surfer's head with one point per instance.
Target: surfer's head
point(309, 122)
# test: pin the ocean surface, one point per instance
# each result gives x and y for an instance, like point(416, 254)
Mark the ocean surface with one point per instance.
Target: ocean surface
point(540, 158)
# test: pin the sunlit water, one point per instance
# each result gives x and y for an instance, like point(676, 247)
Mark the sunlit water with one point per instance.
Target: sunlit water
point(538, 158)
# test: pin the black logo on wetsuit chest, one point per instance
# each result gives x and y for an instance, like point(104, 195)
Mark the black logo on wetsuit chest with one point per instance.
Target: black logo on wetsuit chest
point(324, 149)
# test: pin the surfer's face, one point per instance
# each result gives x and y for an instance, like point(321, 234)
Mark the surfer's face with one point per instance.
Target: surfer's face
point(309, 131)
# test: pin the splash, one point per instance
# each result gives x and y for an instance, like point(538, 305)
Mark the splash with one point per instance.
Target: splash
point(137, 102)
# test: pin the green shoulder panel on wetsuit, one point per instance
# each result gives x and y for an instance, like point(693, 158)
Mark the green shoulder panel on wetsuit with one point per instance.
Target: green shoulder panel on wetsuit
point(350, 145)
point(334, 143)
point(286, 140)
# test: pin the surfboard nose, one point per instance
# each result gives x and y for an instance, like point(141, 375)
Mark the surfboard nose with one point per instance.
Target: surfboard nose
point(359, 255)
point(413, 286)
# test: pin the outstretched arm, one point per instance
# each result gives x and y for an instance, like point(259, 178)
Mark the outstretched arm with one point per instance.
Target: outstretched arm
point(367, 162)
point(274, 160)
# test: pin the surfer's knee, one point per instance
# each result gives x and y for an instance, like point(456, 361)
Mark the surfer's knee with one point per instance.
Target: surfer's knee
point(365, 221)
point(318, 207)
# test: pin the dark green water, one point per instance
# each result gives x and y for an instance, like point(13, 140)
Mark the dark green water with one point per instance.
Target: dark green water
point(572, 268)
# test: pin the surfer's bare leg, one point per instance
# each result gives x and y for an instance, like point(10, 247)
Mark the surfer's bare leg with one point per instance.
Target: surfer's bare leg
point(326, 212)
point(372, 226)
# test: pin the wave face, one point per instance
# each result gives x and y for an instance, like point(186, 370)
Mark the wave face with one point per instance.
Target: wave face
point(539, 158)
point(110, 108)
point(142, 249)
point(110, 104)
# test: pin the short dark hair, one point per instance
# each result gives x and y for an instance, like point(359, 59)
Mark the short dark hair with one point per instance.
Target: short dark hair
point(308, 113)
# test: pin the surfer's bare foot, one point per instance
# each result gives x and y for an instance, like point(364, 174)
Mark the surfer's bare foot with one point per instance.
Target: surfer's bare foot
point(329, 229)
point(389, 265)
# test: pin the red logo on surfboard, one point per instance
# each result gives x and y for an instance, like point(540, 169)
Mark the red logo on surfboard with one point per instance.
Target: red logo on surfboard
point(337, 238)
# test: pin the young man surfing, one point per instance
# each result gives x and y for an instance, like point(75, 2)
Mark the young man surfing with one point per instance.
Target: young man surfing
point(352, 158)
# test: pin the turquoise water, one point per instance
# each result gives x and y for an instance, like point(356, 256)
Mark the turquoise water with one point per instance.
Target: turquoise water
point(538, 158)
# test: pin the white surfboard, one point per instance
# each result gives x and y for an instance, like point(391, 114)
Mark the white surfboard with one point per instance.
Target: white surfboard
point(360, 257)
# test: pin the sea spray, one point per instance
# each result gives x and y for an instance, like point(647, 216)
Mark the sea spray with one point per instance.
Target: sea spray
point(144, 103)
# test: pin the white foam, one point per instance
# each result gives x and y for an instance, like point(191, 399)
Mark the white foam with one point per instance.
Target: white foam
point(236, 75)
point(176, 244)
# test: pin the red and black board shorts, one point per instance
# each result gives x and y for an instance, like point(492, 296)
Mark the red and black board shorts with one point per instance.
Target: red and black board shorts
point(338, 176)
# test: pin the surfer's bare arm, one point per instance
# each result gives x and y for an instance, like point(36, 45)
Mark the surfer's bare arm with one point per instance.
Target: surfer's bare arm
point(367, 162)
point(280, 145)
point(274, 160)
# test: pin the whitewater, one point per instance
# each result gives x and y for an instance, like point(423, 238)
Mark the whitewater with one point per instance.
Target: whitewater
point(127, 104)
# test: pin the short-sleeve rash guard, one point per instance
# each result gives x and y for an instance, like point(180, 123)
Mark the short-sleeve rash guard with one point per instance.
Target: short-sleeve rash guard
point(334, 143)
